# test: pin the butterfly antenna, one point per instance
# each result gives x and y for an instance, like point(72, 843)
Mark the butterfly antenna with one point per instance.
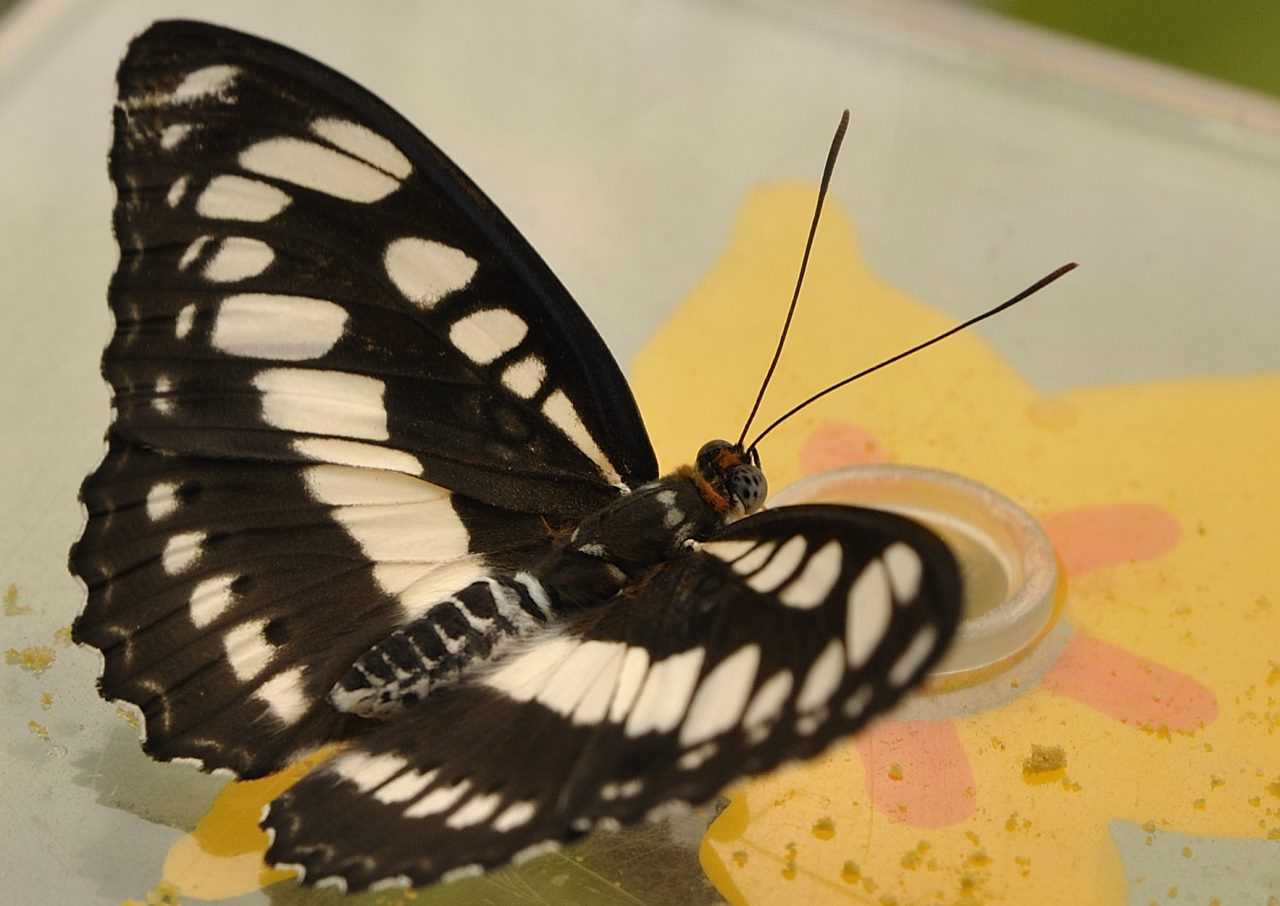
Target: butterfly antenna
point(1030, 290)
point(804, 263)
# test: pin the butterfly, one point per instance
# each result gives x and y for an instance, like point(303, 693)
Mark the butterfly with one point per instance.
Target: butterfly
point(373, 479)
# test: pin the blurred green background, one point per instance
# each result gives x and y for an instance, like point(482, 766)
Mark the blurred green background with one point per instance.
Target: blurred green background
point(1233, 40)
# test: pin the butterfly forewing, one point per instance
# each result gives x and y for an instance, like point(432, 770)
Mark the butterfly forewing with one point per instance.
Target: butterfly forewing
point(344, 388)
point(782, 634)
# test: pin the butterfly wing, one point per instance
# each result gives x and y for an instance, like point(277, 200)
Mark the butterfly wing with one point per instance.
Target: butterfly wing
point(343, 388)
point(784, 633)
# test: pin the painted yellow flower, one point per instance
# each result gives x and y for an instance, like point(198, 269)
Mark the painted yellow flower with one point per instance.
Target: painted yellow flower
point(1139, 761)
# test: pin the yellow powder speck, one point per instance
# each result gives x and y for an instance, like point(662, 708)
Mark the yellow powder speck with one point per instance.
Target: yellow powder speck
point(1046, 764)
point(1273, 788)
point(1255, 801)
point(36, 659)
point(911, 860)
point(823, 829)
point(979, 858)
point(129, 717)
point(972, 838)
point(1208, 747)
point(1015, 683)
point(163, 894)
point(1274, 833)
point(1272, 678)
point(1150, 840)
point(1011, 823)
point(1198, 805)
point(888, 900)
point(1149, 827)
point(923, 847)
point(11, 606)
point(740, 858)
point(1173, 893)
point(895, 771)
point(46, 700)
point(1024, 861)
point(62, 636)
point(38, 728)
point(1214, 901)
point(850, 873)
point(789, 870)
point(1186, 852)
point(1215, 781)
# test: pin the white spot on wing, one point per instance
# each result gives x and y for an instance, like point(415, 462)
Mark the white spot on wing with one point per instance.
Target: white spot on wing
point(728, 551)
point(192, 252)
point(515, 815)
point(162, 500)
point(176, 191)
point(857, 703)
point(868, 613)
point(229, 197)
point(823, 678)
point(811, 587)
point(238, 258)
point(438, 800)
point(362, 142)
point(248, 651)
point(319, 167)
point(425, 271)
point(484, 335)
point(527, 673)
point(721, 697)
point(406, 532)
point(635, 666)
point(172, 135)
point(666, 693)
point(353, 453)
point(181, 551)
point(754, 560)
point(323, 402)
point(211, 80)
point(767, 703)
point(478, 808)
point(590, 664)
point(210, 600)
point(186, 317)
point(781, 567)
point(408, 785)
point(160, 398)
point(905, 570)
point(559, 409)
point(523, 378)
point(284, 695)
point(367, 771)
point(910, 660)
point(268, 326)
point(337, 485)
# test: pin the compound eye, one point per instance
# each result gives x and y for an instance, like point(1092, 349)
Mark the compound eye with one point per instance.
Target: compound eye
point(747, 483)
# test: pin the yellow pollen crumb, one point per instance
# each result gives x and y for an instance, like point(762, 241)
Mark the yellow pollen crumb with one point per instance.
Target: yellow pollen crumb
point(823, 829)
point(895, 771)
point(38, 728)
point(36, 659)
point(850, 873)
point(1198, 805)
point(740, 857)
point(46, 700)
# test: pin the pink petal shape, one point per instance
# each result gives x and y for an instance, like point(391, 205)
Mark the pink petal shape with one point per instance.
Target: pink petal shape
point(834, 443)
point(918, 772)
point(1128, 687)
point(1091, 537)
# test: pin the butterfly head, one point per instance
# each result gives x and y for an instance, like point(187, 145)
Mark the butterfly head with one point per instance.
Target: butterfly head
point(734, 475)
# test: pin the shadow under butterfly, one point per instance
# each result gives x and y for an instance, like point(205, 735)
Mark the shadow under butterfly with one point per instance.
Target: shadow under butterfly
point(374, 479)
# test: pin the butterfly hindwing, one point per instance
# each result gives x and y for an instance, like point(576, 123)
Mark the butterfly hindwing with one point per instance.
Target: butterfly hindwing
point(344, 388)
point(782, 634)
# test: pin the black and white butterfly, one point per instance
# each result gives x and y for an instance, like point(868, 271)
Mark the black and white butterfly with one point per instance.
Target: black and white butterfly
point(373, 478)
